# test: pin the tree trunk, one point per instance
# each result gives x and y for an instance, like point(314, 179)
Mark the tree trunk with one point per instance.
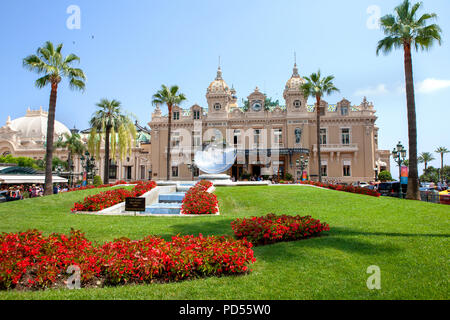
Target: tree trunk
point(413, 178)
point(441, 174)
point(169, 136)
point(319, 157)
point(48, 186)
point(107, 156)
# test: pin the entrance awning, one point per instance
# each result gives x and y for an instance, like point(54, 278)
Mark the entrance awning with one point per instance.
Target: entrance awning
point(27, 179)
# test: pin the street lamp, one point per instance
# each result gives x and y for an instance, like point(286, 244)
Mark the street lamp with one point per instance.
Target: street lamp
point(88, 163)
point(399, 154)
point(376, 173)
point(302, 163)
point(192, 167)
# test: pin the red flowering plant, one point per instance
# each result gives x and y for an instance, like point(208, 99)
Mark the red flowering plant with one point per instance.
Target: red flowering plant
point(350, 189)
point(272, 228)
point(110, 198)
point(30, 260)
point(119, 182)
point(204, 184)
point(198, 201)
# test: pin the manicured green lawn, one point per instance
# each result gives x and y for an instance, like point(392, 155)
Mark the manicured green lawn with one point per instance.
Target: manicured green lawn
point(408, 240)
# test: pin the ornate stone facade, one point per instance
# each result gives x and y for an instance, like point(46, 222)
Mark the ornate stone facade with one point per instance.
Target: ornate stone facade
point(271, 139)
point(26, 136)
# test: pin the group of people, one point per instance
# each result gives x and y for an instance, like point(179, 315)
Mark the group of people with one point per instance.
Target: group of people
point(20, 192)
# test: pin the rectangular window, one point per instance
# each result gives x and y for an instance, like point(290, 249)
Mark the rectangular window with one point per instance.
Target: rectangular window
point(324, 170)
point(257, 136)
point(175, 171)
point(196, 139)
point(128, 170)
point(176, 139)
point(237, 134)
point(176, 115)
point(196, 114)
point(278, 136)
point(345, 134)
point(344, 111)
point(322, 111)
point(143, 173)
point(112, 170)
point(196, 172)
point(347, 172)
point(323, 136)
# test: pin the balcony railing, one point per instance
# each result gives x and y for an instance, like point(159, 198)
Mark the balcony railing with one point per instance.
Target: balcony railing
point(337, 147)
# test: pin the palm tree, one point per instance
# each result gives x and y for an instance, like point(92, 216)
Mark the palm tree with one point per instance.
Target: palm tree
point(73, 144)
point(405, 30)
point(105, 123)
point(49, 62)
point(442, 151)
point(171, 97)
point(425, 157)
point(315, 87)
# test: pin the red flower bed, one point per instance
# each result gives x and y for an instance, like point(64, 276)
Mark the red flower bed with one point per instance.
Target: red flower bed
point(204, 184)
point(110, 198)
point(272, 228)
point(350, 189)
point(199, 201)
point(120, 182)
point(30, 260)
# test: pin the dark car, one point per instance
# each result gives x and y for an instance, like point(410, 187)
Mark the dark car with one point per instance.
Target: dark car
point(3, 196)
point(391, 189)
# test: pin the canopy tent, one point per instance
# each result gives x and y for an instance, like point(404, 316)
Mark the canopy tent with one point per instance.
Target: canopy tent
point(27, 179)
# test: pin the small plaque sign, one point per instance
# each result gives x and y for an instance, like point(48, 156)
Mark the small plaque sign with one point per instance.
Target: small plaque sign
point(135, 204)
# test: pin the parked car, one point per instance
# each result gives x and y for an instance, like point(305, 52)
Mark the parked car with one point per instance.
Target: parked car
point(391, 188)
point(3, 196)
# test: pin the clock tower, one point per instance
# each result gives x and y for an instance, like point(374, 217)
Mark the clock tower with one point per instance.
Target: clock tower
point(295, 101)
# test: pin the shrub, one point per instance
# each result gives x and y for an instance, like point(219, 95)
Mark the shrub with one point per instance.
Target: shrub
point(97, 181)
point(30, 260)
point(288, 177)
point(385, 176)
point(110, 198)
point(199, 201)
point(272, 228)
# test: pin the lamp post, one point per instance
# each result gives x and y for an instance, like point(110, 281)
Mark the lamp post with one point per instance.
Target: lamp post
point(192, 168)
point(376, 173)
point(302, 163)
point(399, 154)
point(88, 163)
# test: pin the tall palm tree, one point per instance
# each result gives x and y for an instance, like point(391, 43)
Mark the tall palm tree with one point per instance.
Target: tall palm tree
point(442, 151)
point(405, 30)
point(105, 123)
point(171, 97)
point(316, 87)
point(50, 63)
point(73, 144)
point(425, 158)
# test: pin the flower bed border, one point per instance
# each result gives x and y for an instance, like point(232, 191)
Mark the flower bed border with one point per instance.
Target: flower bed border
point(31, 261)
point(348, 189)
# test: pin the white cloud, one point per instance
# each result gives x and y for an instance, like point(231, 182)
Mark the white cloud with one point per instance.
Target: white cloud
point(373, 91)
point(431, 85)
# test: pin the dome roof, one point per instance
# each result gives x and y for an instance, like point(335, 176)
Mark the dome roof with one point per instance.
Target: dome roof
point(218, 85)
point(34, 125)
point(295, 81)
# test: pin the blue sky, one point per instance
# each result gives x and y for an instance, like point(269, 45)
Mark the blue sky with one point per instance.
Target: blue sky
point(129, 48)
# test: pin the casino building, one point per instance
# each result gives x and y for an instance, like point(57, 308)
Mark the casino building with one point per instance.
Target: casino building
point(271, 140)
